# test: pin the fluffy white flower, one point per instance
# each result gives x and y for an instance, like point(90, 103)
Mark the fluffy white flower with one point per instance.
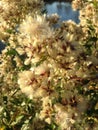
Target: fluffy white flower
point(26, 82)
point(36, 28)
point(63, 117)
point(41, 69)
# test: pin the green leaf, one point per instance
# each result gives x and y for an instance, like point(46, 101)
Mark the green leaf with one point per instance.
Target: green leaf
point(12, 52)
point(9, 31)
point(18, 120)
point(25, 67)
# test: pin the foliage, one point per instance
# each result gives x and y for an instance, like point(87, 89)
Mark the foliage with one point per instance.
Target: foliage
point(48, 76)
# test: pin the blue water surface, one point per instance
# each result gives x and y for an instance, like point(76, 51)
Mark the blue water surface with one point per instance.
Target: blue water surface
point(64, 10)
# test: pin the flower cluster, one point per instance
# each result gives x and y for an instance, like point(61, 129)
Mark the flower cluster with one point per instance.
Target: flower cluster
point(57, 68)
point(12, 12)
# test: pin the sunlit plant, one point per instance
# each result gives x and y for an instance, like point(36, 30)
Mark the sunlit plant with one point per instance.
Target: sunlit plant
point(48, 76)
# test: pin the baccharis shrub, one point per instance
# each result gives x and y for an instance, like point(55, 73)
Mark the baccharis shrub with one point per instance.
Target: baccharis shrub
point(49, 75)
point(12, 12)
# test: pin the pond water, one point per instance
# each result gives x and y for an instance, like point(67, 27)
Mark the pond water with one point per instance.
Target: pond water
point(63, 9)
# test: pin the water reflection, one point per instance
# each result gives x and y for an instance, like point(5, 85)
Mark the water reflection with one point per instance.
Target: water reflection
point(64, 10)
point(2, 46)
